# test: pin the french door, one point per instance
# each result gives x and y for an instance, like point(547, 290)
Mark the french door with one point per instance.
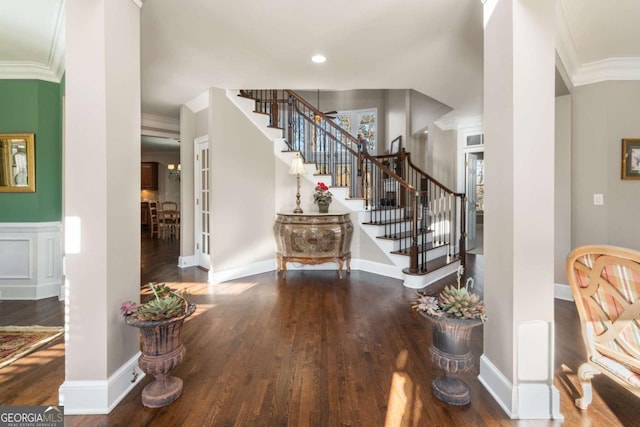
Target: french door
point(472, 162)
point(203, 202)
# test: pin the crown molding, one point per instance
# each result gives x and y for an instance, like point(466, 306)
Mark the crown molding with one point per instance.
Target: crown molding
point(160, 126)
point(52, 70)
point(580, 74)
point(138, 3)
point(607, 69)
point(454, 123)
point(565, 44)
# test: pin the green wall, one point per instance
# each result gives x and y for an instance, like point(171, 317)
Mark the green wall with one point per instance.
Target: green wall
point(34, 106)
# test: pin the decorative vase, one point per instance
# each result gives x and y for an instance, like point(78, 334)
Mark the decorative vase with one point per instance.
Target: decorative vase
point(323, 207)
point(450, 351)
point(162, 350)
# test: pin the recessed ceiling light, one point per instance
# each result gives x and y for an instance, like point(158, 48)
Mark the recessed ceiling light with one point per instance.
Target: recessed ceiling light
point(318, 59)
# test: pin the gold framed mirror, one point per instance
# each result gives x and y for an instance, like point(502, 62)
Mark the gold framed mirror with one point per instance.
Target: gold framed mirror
point(17, 167)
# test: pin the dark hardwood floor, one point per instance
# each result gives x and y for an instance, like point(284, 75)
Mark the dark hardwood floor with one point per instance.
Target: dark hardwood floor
point(309, 351)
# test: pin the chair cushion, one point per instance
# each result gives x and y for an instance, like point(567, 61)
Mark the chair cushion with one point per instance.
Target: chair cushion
point(617, 369)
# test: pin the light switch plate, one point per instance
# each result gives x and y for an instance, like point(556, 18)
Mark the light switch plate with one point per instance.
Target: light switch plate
point(598, 199)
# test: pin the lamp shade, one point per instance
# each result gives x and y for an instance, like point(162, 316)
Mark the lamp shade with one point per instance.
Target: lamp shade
point(297, 165)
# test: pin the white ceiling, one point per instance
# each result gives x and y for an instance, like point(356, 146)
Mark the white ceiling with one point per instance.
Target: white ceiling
point(433, 46)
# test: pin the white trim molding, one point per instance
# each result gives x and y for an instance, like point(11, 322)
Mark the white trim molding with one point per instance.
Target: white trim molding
point(526, 401)
point(100, 397)
point(593, 72)
point(187, 261)
point(53, 69)
point(160, 126)
point(240, 272)
point(607, 69)
point(497, 385)
point(32, 266)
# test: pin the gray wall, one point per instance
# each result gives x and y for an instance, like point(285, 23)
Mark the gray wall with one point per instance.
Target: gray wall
point(562, 199)
point(242, 187)
point(397, 122)
point(603, 114)
point(442, 166)
point(423, 111)
point(202, 123)
point(346, 100)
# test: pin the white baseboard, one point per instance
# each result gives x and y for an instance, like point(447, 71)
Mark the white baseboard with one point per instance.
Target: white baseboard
point(388, 270)
point(187, 261)
point(563, 292)
point(526, 401)
point(497, 385)
point(244, 271)
point(538, 402)
point(100, 397)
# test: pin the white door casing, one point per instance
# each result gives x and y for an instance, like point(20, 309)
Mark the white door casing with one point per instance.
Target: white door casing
point(202, 210)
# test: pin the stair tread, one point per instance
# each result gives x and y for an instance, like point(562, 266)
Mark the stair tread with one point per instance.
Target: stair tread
point(402, 235)
point(425, 247)
point(388, 221)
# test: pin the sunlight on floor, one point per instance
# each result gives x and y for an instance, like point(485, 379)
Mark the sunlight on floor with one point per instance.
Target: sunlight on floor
point(192, 288)
point(230, 288)
point(200, 309)
point(24, 363)
point(404, 406)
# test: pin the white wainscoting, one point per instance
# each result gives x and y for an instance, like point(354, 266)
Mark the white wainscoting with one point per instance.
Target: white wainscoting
point(30, 260)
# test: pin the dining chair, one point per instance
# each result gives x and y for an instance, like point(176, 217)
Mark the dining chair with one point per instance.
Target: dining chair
point(169, 206)
point(154, 224)
point(170, 219)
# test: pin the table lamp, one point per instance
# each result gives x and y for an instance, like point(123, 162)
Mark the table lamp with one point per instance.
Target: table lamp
point(297, 167)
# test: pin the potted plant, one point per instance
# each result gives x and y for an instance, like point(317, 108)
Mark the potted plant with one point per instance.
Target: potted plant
point(322, 197)
point(453, 313)
point(160, 320)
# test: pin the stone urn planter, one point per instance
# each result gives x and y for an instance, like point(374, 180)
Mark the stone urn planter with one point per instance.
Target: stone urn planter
point(450, 351)
point(162, 350)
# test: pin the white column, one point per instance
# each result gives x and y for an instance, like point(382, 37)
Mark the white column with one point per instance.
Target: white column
point(519, 49)
point(101, 201)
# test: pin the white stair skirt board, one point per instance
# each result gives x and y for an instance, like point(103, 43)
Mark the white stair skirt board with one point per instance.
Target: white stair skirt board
point(100, 397)
point(420, 281)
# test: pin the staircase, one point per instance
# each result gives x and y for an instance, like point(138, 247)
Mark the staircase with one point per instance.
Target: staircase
point(415, 220)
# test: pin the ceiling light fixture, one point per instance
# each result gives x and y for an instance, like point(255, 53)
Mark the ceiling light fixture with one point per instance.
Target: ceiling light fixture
point(318, 59)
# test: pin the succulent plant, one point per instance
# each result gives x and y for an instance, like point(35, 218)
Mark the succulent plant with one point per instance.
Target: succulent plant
point(165, 304)
point(460, 303)
point(454, 301)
